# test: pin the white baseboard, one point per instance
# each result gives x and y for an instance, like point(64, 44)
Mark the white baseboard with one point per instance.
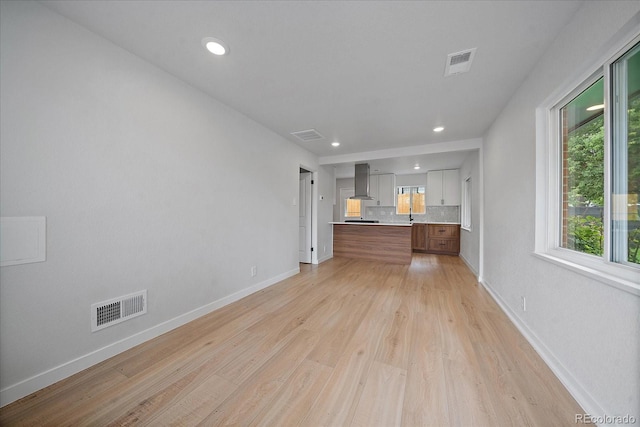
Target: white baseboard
point(582, 396)
point(325, 258)
point(51, 376)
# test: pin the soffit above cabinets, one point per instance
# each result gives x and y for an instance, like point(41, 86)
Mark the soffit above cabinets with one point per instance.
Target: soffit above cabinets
point(404, 165)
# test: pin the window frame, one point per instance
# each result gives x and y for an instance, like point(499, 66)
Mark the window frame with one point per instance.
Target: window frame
point(557, 114)
point(618, 245)
point(549, 179)
point(345, 194)
point(346, 209)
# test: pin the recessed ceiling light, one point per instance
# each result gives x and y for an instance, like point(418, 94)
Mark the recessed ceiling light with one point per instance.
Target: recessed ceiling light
point(335, 143)
point(438, 129)
point(416, 167)
point(596, 107)
point(215, 46)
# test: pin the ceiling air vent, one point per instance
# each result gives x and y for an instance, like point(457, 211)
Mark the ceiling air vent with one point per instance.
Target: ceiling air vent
point(308, 135)
point(459, 62)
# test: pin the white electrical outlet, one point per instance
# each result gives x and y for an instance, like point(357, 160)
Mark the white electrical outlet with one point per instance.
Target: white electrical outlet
point(254, 271)
point(523, 303)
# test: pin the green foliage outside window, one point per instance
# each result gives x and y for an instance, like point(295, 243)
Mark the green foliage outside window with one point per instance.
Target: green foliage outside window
point(586, 164)
point(585, 233)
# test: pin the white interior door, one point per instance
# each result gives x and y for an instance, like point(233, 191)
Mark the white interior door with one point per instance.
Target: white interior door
point(304, 203)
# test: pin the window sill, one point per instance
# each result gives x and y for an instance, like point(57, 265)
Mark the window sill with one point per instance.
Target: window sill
point(618, 279)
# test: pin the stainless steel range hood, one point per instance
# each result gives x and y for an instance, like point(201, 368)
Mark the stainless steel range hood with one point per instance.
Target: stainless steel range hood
point(362, 182)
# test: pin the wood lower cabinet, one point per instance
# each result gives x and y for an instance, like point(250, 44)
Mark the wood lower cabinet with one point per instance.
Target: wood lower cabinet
point(443, 239)
point(435, 238)
point(419, 237)
point(445, 246)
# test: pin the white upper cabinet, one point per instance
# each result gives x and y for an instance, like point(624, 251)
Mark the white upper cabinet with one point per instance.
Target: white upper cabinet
point(434, 188)
point(451, 187)
point(387, 189)
point(382, 189)
point(443, 188)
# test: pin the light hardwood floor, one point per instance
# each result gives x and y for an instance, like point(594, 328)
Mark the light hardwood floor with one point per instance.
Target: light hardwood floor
point(346, 343)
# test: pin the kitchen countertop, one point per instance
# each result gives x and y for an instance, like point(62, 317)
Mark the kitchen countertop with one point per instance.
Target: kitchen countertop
point(401, 224)
point(436, 222)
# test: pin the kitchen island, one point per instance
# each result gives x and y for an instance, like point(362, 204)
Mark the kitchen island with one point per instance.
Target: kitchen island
point(386, 242)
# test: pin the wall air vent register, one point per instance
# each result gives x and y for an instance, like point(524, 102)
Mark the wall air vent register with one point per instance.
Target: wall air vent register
point(116, 310)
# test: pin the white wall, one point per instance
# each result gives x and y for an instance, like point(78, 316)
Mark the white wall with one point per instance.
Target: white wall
point(146, 183)
point(326, 190)
point(470, 239)
point(588, 331)
point(340, 183)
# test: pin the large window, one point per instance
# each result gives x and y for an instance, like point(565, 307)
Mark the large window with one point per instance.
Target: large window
point(410, 200)
point(588, 177)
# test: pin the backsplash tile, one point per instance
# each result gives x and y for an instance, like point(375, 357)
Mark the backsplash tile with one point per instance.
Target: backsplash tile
point(443, 213)
point(434, 214)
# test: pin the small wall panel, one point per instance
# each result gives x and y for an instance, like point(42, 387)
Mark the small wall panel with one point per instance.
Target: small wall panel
point(23, 240)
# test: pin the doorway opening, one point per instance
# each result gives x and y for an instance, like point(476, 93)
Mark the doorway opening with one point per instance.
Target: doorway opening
point(305, 205)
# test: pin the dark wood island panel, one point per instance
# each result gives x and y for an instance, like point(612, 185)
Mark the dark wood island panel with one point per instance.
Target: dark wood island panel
point(386, 243)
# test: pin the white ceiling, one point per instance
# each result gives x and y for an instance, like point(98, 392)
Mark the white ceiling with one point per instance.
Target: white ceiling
point(368, 74)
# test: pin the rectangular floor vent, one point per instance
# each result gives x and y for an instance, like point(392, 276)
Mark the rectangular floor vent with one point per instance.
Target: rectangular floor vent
point(116, 310)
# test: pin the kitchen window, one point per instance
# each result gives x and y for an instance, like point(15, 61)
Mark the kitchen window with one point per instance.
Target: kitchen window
point(588, 174)
point(410, 200)
point(352, 209)
point(349, 208)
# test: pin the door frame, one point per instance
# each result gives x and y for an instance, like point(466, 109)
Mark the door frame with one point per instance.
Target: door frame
point(305, 217)
point(314, 211)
